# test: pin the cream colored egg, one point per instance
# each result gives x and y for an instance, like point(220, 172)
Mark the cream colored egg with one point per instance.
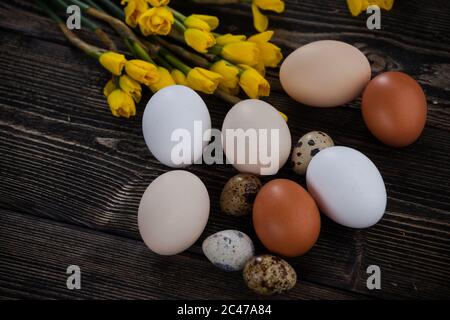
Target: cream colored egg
point(173, 212)
point(256, 138)
point(325, 73)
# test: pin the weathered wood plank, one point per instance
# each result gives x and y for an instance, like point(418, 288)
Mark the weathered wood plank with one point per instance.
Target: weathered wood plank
point(35, 254)
point(63, 156)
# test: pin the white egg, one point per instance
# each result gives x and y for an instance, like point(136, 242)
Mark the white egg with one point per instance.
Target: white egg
point(347, 187)
point(264, 155)
point(176, 117)
point(173, 212)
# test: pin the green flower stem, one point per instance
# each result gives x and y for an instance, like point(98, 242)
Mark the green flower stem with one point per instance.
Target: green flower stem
point(179, 26)
point(178, 15)
point(49, 12)
point(112, 8)
point(163, 63)
point(186, 55)
point(82, 5)
point(174, 61)
point(93, 4)
point(141, 52)
point(90, 50)
point(226, 97)
point(215, 50)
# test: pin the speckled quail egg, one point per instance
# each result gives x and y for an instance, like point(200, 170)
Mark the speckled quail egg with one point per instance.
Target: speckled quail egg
point(267, 275)
point(239, 194)
point(229, 250)
point(307, 147)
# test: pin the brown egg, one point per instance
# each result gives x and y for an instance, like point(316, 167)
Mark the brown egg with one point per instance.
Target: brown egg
point(286, 218)
point(394, 108)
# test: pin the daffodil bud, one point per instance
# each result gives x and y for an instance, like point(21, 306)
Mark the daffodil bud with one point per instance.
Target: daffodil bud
point(157, 20)
point(142, 71)
point(357, 6)
point(131, 86)
point(229, 38)
point(109, 87)
point(113, 62)
point(260, 21)
point(179, 77)
point(203, 80)
point(121, 104)
point(199, 40)
point(241, 52)
point(165, 80)
point(201, 22)
point(229, 73)
point(133, 10)
point(270, 5)
point(269, 54)
point(253, 83)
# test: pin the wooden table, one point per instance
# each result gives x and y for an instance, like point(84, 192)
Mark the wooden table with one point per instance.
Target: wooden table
point(71, 175)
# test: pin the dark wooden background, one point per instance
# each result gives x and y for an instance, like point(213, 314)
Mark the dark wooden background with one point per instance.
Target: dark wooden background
point(71, 175)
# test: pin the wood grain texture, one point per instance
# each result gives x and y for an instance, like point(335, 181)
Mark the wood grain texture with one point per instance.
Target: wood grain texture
point(33, 265)
point(70, 167)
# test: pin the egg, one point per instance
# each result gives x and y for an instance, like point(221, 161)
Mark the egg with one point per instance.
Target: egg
point(239, 194)
point(325, 73)
point(286, 218)
point(173, 212)
point(347, 187)
point(255, 138)
point(307, 147)
point(267, 275)
point(228, 250)
point(394, 108)
point(176, 126)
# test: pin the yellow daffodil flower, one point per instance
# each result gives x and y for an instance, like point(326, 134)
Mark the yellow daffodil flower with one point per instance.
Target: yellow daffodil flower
point(358, 6)
point(165, 80)
point(201, 22)
point(253, 83)
point(203, 80)
point(229, 73)
point(142, 71)
point(241, 52)
point(269, 54)
point(109, 87)
point(229, 38)
point(113, 62)
point(199, 40)
point(157, 20)
point(133, 10)
point(121, 104)
point(131, 86)
point(158, 3)
point(260, 21)
point(179, 77)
